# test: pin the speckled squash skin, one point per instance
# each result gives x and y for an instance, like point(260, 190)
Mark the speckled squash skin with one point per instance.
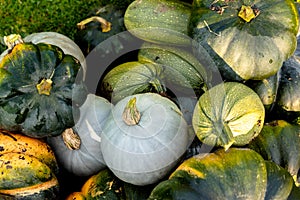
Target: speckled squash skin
point(233, 174)
point(32, 77)
point(35, 179)
point(164, 21)
point(19, 143)
point(252, 47)
point(228, 114)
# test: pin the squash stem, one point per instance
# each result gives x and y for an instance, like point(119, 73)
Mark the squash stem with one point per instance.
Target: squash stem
point(44, 86)
point(159, 88)
point(226, 137)
point(131, 115)
point(248, 13)
point(71, 139)
point(105, 25)
point(12, 40)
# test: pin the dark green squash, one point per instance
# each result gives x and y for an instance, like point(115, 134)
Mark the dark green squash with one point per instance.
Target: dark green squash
point(232, 174)
point(267, 91)
point(279, 142)
point(246, 34)
point(239, 173)
point(279, 182)
point(40, 89)
point(287, 105)
point(99, 26)
point(105, 185)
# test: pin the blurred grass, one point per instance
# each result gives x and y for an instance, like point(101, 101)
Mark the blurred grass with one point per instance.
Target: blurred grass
point(30, 16)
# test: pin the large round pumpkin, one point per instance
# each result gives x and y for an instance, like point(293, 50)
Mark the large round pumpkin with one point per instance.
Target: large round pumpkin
point(246, 34)
point(143, 138)
point(78, 148)
point(228, 114)
point(238, 173)
point(222, 174)
point(39, 89)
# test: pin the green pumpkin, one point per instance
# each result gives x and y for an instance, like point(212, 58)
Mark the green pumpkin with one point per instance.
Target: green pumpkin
point(132, 77)
point(183, 72)
point(267, 91)
point(100, 25)
point(280, 182)
point(38, 91)
point(287, 105)
point(279, 142)
point(246, 35)
point(159, 21)
point(105, 185)
point(232, 174)
point(228, 114)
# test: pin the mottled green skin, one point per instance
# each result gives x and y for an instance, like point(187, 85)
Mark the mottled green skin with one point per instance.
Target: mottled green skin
point(22, 108)
point(183, 72)
point(233, 174)
point(163, 21)
point(250, 50)
point(228, 114)
point(132, 78)
point(280, 182)
point(279, 142)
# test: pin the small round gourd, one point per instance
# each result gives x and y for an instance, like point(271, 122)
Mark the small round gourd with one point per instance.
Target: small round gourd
point(143, 138)
point(228, 114)
point(82, 155)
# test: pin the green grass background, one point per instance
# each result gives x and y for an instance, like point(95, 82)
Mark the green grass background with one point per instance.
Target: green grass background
point(30, 16)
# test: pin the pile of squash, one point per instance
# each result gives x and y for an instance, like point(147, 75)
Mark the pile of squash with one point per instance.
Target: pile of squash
point(155, 99)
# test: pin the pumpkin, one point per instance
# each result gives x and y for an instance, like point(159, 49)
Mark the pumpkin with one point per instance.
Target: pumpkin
point(18, 143)
point(295, 193)
point(65, 43)
point(239, 173)
point(100, 25)
point(184, 73)
point(32, 163)
point(287, 104)
point(245, 34)
point(144, 138)
point(105, 185)
point(164, 21)
point(280, 182)
point(233, 174)
point(267, 90)
point(279, 142)
point(78, 148)
point(130, 78)
point(39, 89)
point(228, 114)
